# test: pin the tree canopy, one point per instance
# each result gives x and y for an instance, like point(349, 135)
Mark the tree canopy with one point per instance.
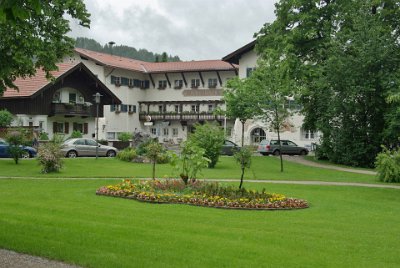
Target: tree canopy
point(33, 35)
point(344, 56)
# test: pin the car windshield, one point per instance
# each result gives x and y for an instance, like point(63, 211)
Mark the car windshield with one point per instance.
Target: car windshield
point(263, 142)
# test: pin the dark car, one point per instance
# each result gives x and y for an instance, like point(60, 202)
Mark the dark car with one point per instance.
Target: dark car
point(229, 148)
point(267, 147)
point(27, 152)
point(86, 147)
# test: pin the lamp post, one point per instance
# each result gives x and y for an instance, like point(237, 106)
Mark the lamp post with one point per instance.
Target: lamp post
point(97, 101)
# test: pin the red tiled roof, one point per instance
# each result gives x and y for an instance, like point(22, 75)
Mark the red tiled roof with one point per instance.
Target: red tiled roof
point(111, 60)
point(189, 66)
point(30, 85)
point(155, 67)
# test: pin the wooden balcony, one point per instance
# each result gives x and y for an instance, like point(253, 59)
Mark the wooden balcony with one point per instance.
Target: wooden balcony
point(185, 116)
point(69, 109)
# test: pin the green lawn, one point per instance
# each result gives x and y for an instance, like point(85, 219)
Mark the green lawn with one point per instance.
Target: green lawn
point(64, 220)
point(263, 168)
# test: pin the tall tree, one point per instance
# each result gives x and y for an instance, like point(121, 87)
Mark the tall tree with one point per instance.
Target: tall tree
point(33, 35)
point(346, 57)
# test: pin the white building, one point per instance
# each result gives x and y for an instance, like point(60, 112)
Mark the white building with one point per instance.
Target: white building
point(256, 130)
point(163, 99)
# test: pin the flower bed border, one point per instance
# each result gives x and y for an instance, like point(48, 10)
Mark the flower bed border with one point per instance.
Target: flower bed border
point(202, 205)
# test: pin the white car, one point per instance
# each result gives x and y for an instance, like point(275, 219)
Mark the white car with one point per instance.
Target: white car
point(86, 147)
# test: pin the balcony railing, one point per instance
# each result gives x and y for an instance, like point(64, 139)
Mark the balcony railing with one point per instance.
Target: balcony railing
point(72, 109)
point(206, 116)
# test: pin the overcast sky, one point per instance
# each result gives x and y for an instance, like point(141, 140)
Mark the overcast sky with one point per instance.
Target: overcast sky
point(191, 29)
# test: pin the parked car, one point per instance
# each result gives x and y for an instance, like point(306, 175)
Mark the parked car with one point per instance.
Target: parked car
point(267, 147)
point(28, 151)
point(229, 148)
point(86, 147)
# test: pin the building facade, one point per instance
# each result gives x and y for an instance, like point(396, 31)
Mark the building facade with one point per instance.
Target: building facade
point(257, 130)
point(162, 99)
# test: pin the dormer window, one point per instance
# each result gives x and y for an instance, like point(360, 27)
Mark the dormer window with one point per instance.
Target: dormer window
point(212, 82)
point(195, 83)
point(162, 84)
point(57, 97)
point(178, 84)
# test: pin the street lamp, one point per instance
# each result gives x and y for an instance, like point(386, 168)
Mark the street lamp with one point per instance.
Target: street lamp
point(97, 101)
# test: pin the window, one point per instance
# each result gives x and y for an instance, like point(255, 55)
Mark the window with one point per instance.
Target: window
point(115, 80)
point(257, 135)
point(162, 84)
point(195, 108)
point(177, 110)
point(153, 131)
point(212, 82)
point(137, 83)
point(61, 127)
point(178, 84)
point(131, 109)
point(145, 84)
point(165, 132)
point(72, 97)
point(175, 132)
point(77, 127)
point(210, 107)
point(249, 70)
point(124, 108)
point(308, 134)
point(111, 135)
point(131, 83)
point(124, 81)
point(195, 83)
point(57, 97)
point(115, 108)
point(162, 108)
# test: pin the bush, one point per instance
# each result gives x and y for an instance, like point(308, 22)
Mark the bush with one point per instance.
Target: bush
point(75, 134)
point(128, 154)
point(5, 118)
point(210, 137)
point(43, 136)
point(141, 149)
point(50, 157)
point(124, 136)
point(16, 139)
point(388, 165)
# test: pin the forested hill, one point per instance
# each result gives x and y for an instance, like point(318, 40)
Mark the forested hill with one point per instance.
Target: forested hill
point(124, 51)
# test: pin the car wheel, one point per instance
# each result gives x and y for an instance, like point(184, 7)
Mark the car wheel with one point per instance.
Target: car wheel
point(277, 153)
point(111, 153)
point(25, 154)
point(72, 154)
point(303, 152)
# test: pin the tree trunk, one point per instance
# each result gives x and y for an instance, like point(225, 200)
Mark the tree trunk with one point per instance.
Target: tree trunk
point(279, 136)
point(241, 179)
point(243, 121)
point(154, 170)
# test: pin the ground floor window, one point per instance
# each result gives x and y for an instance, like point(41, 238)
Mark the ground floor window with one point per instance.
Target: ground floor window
point(308, 134)
point(165, 132)
point(111, 136)
point(61, 127)
point(257, 135)
point(153, 131)
point(175, 132)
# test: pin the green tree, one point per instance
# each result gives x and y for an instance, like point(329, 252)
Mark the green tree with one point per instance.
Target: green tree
point(210, 137)
point(164, 57)
point(271, 84)
point(243, 158)
point(16, 139)
point(5, 118)
point(153, 151)
point(346, 57)
point(33, 35)
point(240, 99)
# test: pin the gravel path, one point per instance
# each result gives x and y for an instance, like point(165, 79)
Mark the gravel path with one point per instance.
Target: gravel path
point(303, 161)
point(11, 259)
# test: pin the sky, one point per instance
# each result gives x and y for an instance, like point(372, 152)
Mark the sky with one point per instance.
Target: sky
point(191, 29)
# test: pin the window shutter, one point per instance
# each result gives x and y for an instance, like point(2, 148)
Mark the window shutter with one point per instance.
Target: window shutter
point(85, 128)
point(112, 79)
point(112, 107)
point(66, 127)
point(134, 108)
point(54, 127)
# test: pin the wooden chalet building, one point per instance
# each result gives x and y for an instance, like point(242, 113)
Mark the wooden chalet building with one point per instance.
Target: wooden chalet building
point(59, 106)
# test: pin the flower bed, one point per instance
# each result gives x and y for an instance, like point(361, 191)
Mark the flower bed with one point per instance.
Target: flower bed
point(200, 193)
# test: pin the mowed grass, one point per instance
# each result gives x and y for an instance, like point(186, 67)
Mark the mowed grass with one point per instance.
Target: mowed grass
point(64, 220)
point(263, 168)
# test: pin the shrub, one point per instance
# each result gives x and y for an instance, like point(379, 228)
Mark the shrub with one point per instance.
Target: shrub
point(16, 140)
point(43, 136)
point(388, 165)
point(210, 137)
point(75, 134)
point(189, 162)
point(141, 149)
point(128, 154)
point(103, 142)
point(5, 118)
point(50, 157)
point(124, 136)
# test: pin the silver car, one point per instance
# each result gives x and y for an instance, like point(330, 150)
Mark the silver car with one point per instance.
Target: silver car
point(267, 147)
point(86, 147)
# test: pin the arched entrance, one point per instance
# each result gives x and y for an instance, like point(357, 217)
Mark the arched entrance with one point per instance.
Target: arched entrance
point(257, 135)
